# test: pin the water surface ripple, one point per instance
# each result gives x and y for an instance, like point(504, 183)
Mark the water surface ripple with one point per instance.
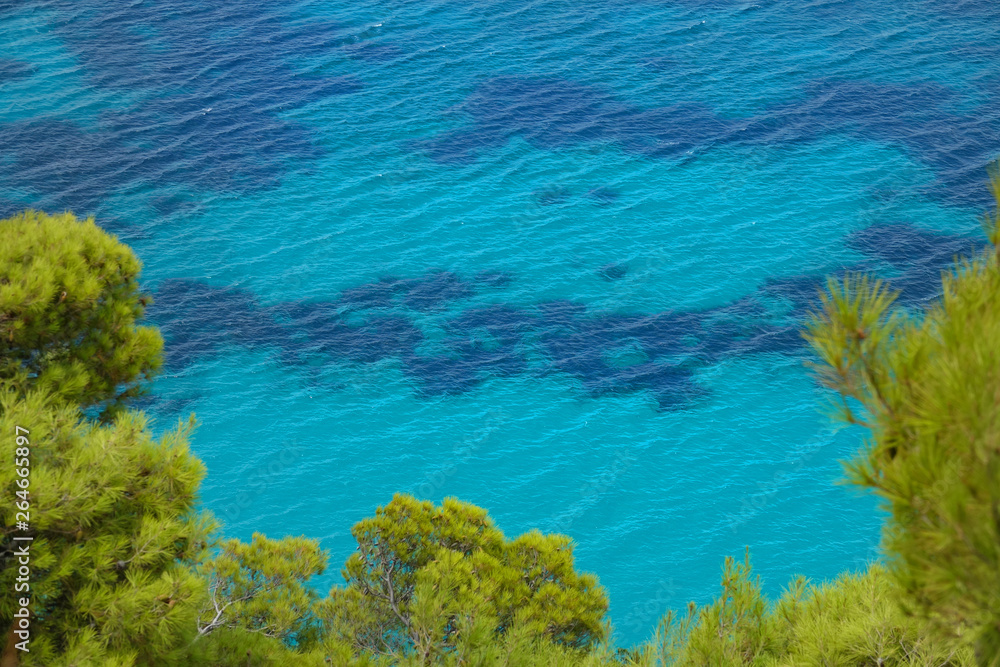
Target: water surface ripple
point(549, 257)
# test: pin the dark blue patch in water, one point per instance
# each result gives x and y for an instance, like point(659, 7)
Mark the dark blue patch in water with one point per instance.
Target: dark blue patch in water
point(920, 256)
point(673, 345)
point(560, 313)
point(903, 245)
point(168, 205)
point(379, 294)
point(802, 291)
point(504, 324)
point(579, 346)
point(435, 290)
point(216, 81)
point(552, 195)
point(482, 343)
point(9, 208)
point(552, 113)
point(197, 320)
point(957, 147)
point(612, 272)
point(439, 375)
point(319, 328)
point(603, 195)
point(430, 292)
point(378, 337)
point(11, 70)
point(607, 353)
point(69, 168)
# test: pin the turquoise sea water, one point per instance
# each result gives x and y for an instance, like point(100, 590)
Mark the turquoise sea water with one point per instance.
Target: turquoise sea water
point(549, 257)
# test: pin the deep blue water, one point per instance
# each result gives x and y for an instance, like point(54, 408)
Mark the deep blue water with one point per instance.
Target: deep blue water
point(549, 257)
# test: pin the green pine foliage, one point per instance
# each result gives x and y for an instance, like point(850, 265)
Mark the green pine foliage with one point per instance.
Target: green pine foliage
point(427, 581)
point(261, 587)
point(927, 387)
point(116, 535)
point(518, 646)
point(69, 307)
point(853, 621)
point(238, 647)
point(738, 628)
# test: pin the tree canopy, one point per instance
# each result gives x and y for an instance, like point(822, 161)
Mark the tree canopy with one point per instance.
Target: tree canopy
point(115, 536)
point(262, 587)
point(851, 621)
point(927, 387)
point(426, 578)
point(69, 310)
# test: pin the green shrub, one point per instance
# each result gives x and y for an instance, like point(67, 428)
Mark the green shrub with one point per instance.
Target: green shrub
point(853, 621)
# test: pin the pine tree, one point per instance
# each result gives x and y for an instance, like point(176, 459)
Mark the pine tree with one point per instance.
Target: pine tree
point(69, 307)
point(429, 581)
point(262, 587)
point(851, 621)
point(927, 387)
point(115, 536)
